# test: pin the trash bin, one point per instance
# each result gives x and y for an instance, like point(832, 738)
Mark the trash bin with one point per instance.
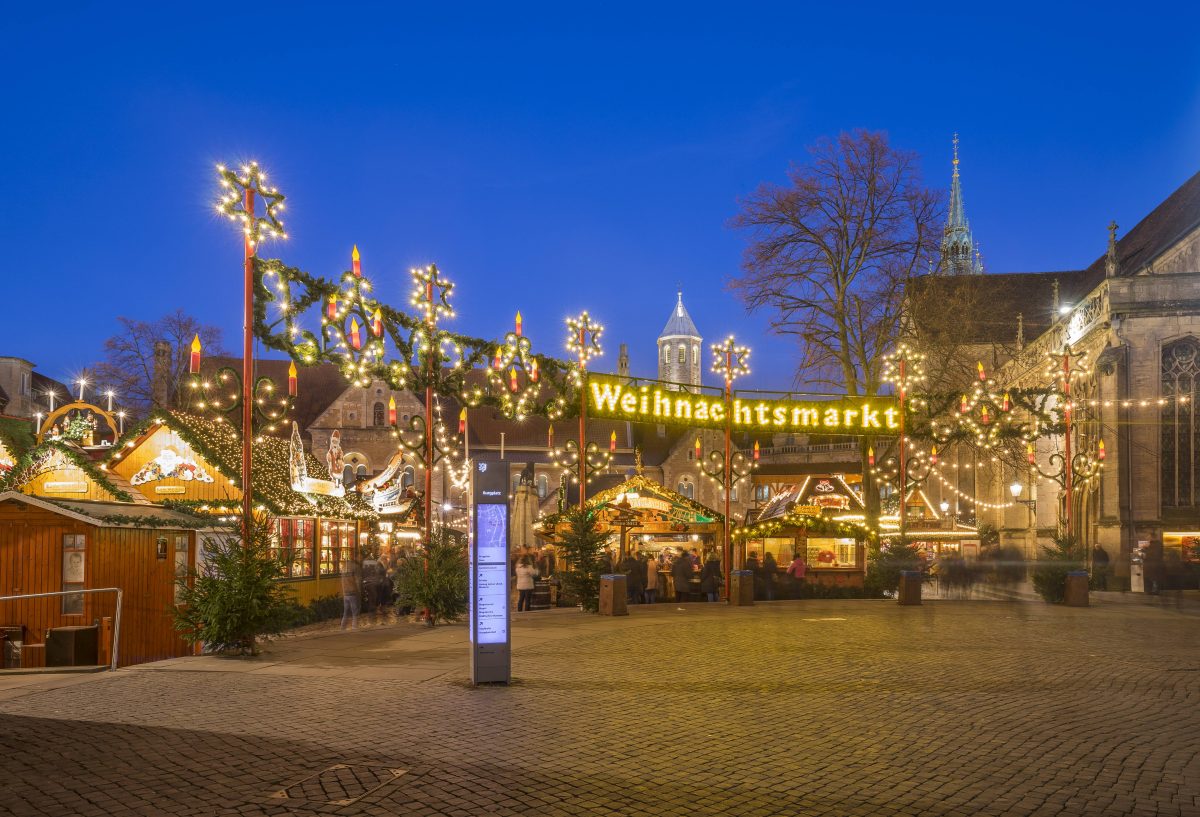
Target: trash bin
point(910, 587)
point(741, 588)
point(73, 646)
point(1077, 589)
point(612, 595)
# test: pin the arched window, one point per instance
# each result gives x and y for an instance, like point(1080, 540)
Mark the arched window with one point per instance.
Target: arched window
point(733, 494)
point(543, 486)
point(1180, 457)
point(682, 353)
point(666, 354)
point(696, 355)
point(360, 471)
point(380, 416)
point(762, 493)
point(348, 475)
point(408, 477)
point(685, 488)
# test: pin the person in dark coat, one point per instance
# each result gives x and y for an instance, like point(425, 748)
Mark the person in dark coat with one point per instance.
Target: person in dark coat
point(681, 572)
point(753, 566)
point(1099, 568)
point(635, 574)
point(711, 578)
point(769, 572)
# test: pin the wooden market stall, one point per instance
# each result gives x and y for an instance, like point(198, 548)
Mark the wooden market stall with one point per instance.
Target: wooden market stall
point(933, 531)
point(188, 461)
point(819, 518)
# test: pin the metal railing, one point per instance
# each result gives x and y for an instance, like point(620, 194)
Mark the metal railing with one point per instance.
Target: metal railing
point(116, 618)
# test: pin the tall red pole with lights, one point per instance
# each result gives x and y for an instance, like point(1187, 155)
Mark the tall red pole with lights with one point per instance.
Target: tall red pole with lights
point(247, 367)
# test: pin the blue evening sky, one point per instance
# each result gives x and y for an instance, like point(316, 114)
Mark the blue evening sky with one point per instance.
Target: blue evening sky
point(549, 158)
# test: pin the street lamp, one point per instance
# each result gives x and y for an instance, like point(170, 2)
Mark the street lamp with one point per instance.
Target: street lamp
point(1015, 489)
point(944, 506)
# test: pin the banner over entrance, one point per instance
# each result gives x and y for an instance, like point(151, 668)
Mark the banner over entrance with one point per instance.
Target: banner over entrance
point(652, 401)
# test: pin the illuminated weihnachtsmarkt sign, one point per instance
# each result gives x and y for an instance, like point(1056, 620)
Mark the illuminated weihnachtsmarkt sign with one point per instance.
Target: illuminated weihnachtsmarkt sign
point(653, 401)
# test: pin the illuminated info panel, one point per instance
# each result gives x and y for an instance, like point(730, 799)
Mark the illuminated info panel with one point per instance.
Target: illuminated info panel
point(491, 658)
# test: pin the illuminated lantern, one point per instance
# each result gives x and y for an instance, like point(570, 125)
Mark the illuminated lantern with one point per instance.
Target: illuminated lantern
point(698, 448)
point(331, 307)
point(550, 436)
point(512, 378)
point(962, 406)
point(292, 379)
point(756, 450)
point(391, 411)
point(982, 376)
point(533, 369)
point(1007, 405)
point(1100, 451)
point(355, 334)
point(194, 358)
point(612, 442)
point(871, 456)
point(377, 323)
point(462, 422)
point(933, 455)
point(356, 262)
point(518, 323)
point(1029, 453)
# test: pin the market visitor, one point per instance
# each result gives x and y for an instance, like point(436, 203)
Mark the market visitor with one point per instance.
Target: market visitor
point(526, 574)
point(651, 566)
point(634, 577)
point(769, 569)
point(796, 572)
point(756, 569)
point(1099, 568)
point(681, 572)
point(710, 578)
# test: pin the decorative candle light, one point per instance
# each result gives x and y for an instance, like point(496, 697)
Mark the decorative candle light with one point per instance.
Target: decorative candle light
point(194, 357)
point(518, 323)
point(612, 442)
point(550, 436)
point(462, 421)
point(355, 334)
point(391, 411)
point(356, 262)
point(292, 379)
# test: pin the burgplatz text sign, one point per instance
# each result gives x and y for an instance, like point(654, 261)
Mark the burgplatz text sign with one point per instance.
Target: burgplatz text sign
point(653, 401)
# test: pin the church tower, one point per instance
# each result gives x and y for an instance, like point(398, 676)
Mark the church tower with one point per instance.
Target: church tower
point(959, 255)
point(679, 349)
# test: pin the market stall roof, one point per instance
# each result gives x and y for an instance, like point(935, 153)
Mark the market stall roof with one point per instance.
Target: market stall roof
point(52, 455)
point(815, 492)
point(113, 514)
point(648, 496)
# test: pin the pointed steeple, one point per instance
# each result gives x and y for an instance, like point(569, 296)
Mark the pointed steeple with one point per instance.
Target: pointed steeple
point(958, 247)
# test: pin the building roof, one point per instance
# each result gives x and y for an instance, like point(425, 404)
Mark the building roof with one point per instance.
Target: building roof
point(113, 514)
point(680, 322)
point(1161, 229)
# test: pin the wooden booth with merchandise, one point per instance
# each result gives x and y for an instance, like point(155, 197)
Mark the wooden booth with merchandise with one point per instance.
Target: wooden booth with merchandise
point(821, 519)
point(188, 461)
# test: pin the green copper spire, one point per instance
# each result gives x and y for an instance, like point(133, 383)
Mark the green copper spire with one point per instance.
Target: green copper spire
point(958, 248)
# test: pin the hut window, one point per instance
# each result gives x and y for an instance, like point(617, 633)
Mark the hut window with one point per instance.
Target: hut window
point(295, 546)
point(378, 417)
point(831, 553)
point(73, 564)
point(408, 477)
point(182, 547)
point(762, 493)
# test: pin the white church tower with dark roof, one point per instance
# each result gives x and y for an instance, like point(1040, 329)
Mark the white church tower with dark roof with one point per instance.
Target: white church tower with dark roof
point(680, 348)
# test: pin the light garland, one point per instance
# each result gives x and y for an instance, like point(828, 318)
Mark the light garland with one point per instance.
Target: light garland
point(235, 185)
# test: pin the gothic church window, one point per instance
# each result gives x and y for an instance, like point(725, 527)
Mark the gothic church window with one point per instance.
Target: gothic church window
point(682, 353)
point(379, 415)
point(1180, 456)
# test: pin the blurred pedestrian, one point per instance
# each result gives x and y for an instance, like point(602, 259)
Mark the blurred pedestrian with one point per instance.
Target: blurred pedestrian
point(681, 573)
point(770, 570)
point(351, 593)
point(795, 572)
point(526, 577)
point(710, 578)
point(651, 591)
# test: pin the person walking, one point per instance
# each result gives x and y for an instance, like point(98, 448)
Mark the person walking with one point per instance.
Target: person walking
point(526, 574)
point(635, 577)
point(711, 579)
point(651, 567)
point(770, 572)
point(1099, 568)
point(756, 569)
point(681, 573)
point(351, 593)
point(796, 572)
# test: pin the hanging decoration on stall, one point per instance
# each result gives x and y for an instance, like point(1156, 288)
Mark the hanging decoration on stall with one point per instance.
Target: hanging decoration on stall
point(82, 423)
point(301, 481)
point(171, 463)
point(6, 460)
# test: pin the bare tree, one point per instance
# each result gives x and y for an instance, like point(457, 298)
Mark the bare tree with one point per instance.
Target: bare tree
point(128, 366)
point(829, 255)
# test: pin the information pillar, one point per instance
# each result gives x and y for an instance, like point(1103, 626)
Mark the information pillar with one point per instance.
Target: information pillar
point(491, 653)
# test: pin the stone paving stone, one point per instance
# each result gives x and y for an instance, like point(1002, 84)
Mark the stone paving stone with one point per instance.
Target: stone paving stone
point(839, 708)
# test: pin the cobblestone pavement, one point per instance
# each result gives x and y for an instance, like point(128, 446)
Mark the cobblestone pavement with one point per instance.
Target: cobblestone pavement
point(793, 708)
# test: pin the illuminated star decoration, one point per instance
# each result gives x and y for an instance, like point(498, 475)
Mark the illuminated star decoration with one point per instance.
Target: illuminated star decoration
point(431, 345)
point(729, 360)
point(583, 341)
point(232, 203)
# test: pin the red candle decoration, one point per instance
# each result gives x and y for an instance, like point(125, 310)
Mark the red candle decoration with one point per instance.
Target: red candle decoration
point(1029, 452)
point(698, 449)
point(292, 376)
point(756, 450)
point(612, 442)
point(983, 416)
point(871, 456)
point(462, 422)
point(377, 323)
point(550, 436)
point(962, 406)
point(496, 362)
point(331, 307)
point(356, 262)
point(533, 369)
point(982, 376)
point(1007, 403)
point(518, 323)
point(512, 378)
point(355, 334)
point(391, 411)
point(1100, 451)
point(933, 455)
point(194, 358)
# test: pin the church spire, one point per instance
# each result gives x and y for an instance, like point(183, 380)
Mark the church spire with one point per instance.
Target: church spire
point(958, 247)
